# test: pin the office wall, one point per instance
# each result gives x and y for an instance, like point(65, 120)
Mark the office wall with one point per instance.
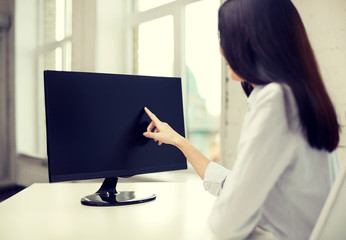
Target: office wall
point(325, 22)
point(98, 37)
point(326, 26)
point(4, 5)
point(83, 35)
point(110, 37)
point(6, 93)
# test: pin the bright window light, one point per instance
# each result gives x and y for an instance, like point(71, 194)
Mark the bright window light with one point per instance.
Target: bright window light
point(60, 20)
point(58, 59)
point(202, 52)
point(144, 5)
point(156, 47)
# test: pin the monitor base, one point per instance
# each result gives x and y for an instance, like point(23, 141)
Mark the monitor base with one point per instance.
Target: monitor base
point(107, 195)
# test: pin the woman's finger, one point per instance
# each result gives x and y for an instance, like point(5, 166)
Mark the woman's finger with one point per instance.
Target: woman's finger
point(152, 116)
point(149, 135)
point(157, 131)
point(151, 126)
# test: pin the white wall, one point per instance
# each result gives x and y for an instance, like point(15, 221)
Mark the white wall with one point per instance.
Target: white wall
point(325, 22)
point(83, 35)
point(110, 37)
point(98, 40)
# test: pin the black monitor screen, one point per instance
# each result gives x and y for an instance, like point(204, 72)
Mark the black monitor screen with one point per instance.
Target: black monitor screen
point(95, 124)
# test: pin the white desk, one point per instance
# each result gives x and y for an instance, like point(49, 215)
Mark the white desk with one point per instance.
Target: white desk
point(53, 211)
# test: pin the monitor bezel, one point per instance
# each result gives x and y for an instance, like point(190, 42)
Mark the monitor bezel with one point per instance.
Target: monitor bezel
point(111, 173)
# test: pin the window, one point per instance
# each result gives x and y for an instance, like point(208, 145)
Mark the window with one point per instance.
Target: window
point(54, 52)
point(144, 5)
point(179, 38)
point(48, 41)
point(170, 38)
point(203, 77)
point(160, 61)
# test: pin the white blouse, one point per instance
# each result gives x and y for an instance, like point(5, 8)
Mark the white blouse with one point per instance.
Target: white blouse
point(278, 181)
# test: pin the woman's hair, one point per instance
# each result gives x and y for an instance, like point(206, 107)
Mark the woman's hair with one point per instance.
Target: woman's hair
point(265, 41)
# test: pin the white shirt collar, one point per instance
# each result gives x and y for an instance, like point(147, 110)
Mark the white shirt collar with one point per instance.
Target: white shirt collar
point(253, 94)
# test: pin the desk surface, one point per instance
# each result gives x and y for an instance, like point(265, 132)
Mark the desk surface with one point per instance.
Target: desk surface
point(53, 211)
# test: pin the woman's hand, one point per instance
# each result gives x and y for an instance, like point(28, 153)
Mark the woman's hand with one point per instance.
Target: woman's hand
point(162, 133)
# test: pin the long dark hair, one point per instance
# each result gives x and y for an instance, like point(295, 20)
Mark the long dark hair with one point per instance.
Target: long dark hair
point(265, 41)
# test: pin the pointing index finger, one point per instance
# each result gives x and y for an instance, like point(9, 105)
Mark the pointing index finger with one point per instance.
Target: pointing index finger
point(152, 116)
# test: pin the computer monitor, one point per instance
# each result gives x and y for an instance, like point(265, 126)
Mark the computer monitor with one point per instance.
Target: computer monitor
point(95, 124)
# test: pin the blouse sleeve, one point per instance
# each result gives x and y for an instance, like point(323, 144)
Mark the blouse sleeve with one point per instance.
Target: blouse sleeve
point(265, 149)
point(214, 178)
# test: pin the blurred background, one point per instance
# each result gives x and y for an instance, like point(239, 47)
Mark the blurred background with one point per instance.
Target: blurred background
point(145, 37)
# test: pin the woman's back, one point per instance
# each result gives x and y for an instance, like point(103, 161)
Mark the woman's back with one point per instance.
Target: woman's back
point(278, 181)
point(299, 195)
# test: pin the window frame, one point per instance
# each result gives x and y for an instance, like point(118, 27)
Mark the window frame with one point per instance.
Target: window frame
point(177, 10)
point(42, 49)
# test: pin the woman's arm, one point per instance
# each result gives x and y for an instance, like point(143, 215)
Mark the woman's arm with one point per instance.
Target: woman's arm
point(163, 133)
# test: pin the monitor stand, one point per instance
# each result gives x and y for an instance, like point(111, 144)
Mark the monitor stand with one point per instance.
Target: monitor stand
point(107, 195)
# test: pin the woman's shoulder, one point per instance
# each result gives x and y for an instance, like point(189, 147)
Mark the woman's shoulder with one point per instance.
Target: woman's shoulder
point(272, 91)
point(276, 95)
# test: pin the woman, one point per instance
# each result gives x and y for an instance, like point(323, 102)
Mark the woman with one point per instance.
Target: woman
point(280, 179)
